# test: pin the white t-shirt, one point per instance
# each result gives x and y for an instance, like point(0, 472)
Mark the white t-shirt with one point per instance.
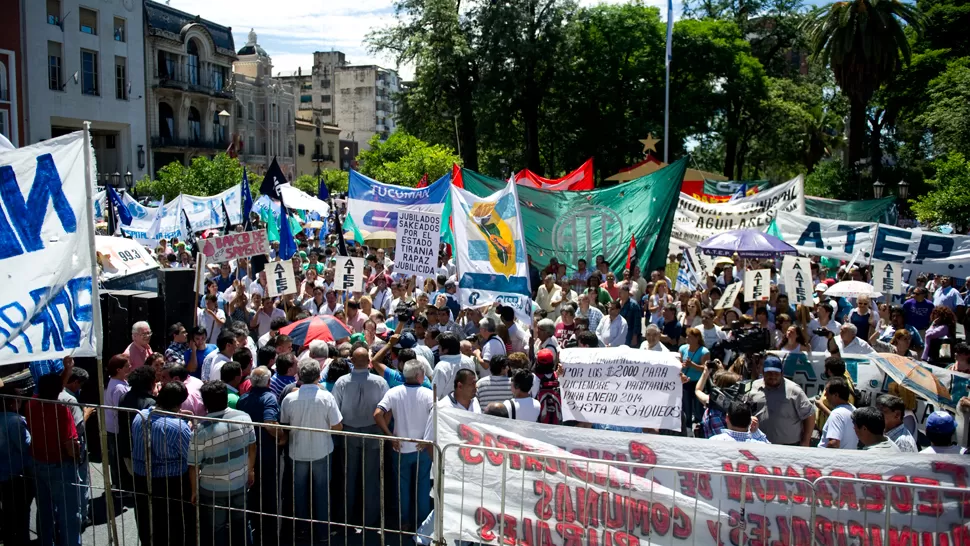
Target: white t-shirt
point(526, 409)
point(264, 320)
point(659, 347)
point(820, 344)
point(443, 378)
point(310, 406)
point(839, 427)
point(410, 406)
point(493, 347)
point(711, 335)
point(448, 402)
point(518, 339)
point(212, 330)
point(212, 364)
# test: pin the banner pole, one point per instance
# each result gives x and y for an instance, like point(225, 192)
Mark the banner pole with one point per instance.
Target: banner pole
point(96, 324)
point(199, 273)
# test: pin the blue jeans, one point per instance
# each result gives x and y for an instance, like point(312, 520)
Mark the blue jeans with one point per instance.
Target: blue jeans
point(414, 479)
point(220, 526)
point(58, 503)
point(312, 488)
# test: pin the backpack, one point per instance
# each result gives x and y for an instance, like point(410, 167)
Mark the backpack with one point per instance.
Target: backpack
point(550, 401)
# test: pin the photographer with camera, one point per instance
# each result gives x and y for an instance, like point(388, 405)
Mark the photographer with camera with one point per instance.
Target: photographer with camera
point(726, 386)
point(786, 415)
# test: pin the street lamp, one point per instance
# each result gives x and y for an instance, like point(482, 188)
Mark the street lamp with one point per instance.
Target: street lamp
point(878, 188)
point(903, 189)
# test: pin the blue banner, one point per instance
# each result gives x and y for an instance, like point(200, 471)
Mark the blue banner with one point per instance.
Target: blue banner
point(374, 206)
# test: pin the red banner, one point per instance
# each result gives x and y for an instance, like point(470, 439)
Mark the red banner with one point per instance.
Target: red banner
point(579, 180)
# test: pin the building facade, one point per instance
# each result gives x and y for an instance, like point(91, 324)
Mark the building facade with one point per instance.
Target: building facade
point(189, 96)
point(11, 76)
point(317, 145)
point(85, 62)
point(314, 90)
point(265, 126)
point(365, 104)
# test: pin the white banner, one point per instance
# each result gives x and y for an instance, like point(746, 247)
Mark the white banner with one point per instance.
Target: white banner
point(295, 198)
point(281, 280)
point(230, 247)
point(490, 249)
point(757, 283)
point(797, 274)
point(887, 277)
point(203, 213)
point(418, 237)
point(564, 493)
point(730, 294)
point(916, 249)
point(121, 257)
point(350, 274)
point(621, 386)
point(696, 220)
point(47, 297)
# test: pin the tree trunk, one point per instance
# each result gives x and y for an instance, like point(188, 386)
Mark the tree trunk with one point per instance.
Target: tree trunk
point(875, 144)
point(857, 129)
point(730, 155)
point(467, 129)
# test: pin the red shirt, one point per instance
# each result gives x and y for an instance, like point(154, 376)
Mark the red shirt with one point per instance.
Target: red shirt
point(50, 424)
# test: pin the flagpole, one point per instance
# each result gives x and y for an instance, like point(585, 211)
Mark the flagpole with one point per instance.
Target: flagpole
point(670, 28)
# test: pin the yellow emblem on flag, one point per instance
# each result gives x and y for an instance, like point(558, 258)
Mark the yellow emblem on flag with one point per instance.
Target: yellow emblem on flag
point(498, 234)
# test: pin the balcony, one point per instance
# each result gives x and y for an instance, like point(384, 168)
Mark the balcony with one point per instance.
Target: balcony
point(323, 158)
point(194, 79)
point(188, 143)
point(253, 159)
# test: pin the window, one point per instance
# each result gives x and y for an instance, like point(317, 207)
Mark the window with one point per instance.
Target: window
point(325, 99)
point(306, 98)
point(330, 150)
point(53, 12)
point(166, 121)
point(218, 130)
point(251, 110)
point(195, 124)
point(5, 124)
point(239, 111)
point(110, 143)
point(192, 67)
point(263, 144)
point(89, 72)
point(289, 150)
point(262, 112)
point(252, 144)
point(325, 112)
point(318, 131)
point(4, 91)
point(301, 149)
point(219, 78)
point(120, 34)
point(121, 78)
point(324, 84)
point(89, 20)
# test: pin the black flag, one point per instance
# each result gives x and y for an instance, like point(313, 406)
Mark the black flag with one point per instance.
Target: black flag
point(227, 229)
point(274, 177)
point(341, 244)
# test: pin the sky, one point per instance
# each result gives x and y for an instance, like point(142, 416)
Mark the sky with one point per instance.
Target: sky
point(291, 30)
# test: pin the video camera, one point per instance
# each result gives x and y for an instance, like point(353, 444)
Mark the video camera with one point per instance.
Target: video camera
point(744, 341)
point(404, 312)
point(724, 400)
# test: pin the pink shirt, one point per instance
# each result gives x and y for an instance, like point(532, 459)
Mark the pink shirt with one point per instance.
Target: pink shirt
point(356, 324)
point(137, 355)
point(193, 403)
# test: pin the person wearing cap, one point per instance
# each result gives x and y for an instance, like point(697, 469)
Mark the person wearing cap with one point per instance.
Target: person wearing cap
point(870, 427)
point(940, 426)
point(893, 409)
point(451, 296)
point(785, 414)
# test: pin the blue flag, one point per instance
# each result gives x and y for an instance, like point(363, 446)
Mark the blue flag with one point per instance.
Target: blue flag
point(322, 192)
point(287, 244)
point(247, 197)
point(114, 199)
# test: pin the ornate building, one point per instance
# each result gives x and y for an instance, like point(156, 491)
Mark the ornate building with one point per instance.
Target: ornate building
point(265, 126)
point(188, 65)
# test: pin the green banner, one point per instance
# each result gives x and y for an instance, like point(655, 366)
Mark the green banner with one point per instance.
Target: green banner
point(870, 210)
point(570, 225)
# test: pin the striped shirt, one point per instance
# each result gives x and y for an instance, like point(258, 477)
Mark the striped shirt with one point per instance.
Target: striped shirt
point(279, 382)
point(221, 451)
point(168, 444)
point(494, 388)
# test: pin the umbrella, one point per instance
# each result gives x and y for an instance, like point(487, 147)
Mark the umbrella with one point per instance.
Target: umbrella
point(747, 243)
point(324, 327)
point(315, 224)
point(851, 289)
point(349, 235)
point(381, 239)
point(915, 376)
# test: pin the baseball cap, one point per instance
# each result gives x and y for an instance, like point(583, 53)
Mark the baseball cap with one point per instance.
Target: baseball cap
point(940, 422)
point(407, 341)
point(358, 338)
point(772, 364)
point(545, 356)
point(829, 282)
point(821, 287)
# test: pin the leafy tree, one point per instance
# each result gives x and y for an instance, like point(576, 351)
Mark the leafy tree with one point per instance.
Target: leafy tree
point(404, 159)
point(831, 179)
point(949, 199)
point(307, 183)
point(203, 177)
point(337, 180)
point(863, 41)
point(947, 115)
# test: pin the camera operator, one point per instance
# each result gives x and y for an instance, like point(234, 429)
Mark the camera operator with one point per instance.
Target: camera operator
point(786, 415)
point(713, 420)
point(741, 426)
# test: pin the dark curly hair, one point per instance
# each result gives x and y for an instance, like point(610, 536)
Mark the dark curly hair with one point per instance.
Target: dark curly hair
point(944, 316)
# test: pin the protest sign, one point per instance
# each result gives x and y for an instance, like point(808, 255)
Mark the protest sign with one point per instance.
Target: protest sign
point(705, 265)
point(757, 283)
point(621, 386)
point(47, 251)
point(375, 206)
point(418, 238)
point(670, 271)
point(490, 250)
point(696, 220)
point(350, 274)
point(230, 247)
point(730, 294)
point(916, 249)
point(568, 486)
point(887, 277)
point(797, 274)
point(124, 262)
point(281, 278)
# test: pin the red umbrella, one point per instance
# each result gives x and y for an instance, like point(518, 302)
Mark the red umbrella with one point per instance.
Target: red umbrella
point(322, 327)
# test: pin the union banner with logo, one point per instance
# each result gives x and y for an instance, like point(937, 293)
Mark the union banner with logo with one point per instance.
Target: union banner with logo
point(490, 250)
point(582, 225)
point(374, 206)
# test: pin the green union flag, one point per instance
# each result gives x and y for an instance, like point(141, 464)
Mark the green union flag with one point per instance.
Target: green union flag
point(570, 225)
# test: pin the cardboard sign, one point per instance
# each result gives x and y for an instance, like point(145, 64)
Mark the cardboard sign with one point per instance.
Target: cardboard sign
point(230, 247)
point(621, 386)
point(757, 284)
point(705, 265)
point(797, 274)
point(730, 294)
point(350, 274)
point(887, 277)
point(418, 237)
point(671, 271)
point(281, 278)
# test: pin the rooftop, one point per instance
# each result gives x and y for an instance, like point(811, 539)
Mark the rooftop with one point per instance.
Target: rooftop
point(168, 19)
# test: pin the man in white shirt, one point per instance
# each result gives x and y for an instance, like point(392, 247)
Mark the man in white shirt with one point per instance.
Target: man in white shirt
point(311, 406)
point(410, 405)
point(211, 365)
point(518, 339)
point(838, 432)
point(710, 332)
point(893, 409)
point(332, 307)
point(212, 318)
point(546, 337)
point(381, 295)
point(315, 305)
point(547, 293)
point(741, 426)
point(612, 329)
point(946, 295)
point(652, 342)
point(262, 319)
point(451, 361)
point(492, 345)
point(462, 397)
point(849, 343)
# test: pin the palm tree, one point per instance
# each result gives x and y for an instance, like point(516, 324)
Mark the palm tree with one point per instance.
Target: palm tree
point(864, 42)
